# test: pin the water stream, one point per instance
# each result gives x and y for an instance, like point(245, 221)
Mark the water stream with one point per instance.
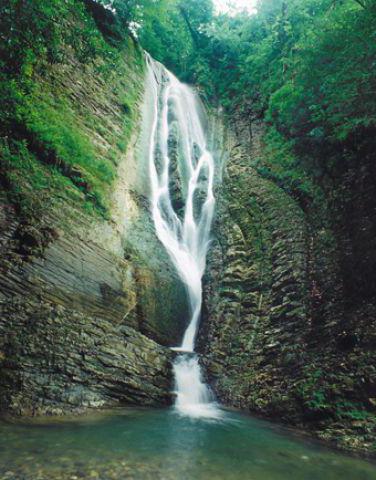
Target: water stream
point(182, 173)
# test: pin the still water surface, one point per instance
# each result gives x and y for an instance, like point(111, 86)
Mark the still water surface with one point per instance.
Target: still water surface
point(160, 444)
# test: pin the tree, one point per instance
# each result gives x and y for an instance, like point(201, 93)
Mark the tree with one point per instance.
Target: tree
point(132, 13)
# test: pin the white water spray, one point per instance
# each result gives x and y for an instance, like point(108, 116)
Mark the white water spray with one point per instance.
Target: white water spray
point(176, 115)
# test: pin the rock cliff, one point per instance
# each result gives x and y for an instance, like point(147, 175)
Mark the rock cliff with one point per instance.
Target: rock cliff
point(276, 337)
point(86, 299)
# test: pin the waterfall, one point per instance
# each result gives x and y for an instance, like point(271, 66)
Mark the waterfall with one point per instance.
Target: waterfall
point(177, 131)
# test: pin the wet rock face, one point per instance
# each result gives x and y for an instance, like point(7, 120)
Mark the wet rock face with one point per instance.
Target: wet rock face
point(70, 324)
point(275, 336)
point(56, 361)
point(175, 180)
point(256, 286)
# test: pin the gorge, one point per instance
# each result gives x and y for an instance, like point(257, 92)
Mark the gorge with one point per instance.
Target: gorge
point(184, 293)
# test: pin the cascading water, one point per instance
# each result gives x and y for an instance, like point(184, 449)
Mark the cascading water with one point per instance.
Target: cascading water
point(177, 130)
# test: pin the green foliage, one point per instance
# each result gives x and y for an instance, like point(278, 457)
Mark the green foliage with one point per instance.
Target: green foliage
point(325, 394)
point(39, 31)
point(35, 35)
point(318, 401)
point(176, 37)
point(131, 14)
point(312, 71)
point(328, 92)
point(305, 66)
point(351, 410)
point(312, 392)
point(44, 146)
point(280, 164)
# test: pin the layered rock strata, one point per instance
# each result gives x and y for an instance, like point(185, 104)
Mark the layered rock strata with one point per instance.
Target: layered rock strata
point(275, 336)
point(87, 302)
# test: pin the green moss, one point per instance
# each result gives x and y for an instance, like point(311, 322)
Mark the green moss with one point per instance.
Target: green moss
point(281, 165)
point(29, 182)
point(50, 129)
point(57, 137)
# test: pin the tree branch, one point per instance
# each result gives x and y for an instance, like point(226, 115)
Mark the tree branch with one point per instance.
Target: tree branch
point(361, 3)
point(190, 28)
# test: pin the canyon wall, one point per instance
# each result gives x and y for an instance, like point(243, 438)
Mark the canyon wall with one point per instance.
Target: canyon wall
point(276, 336)
point(89, 301)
